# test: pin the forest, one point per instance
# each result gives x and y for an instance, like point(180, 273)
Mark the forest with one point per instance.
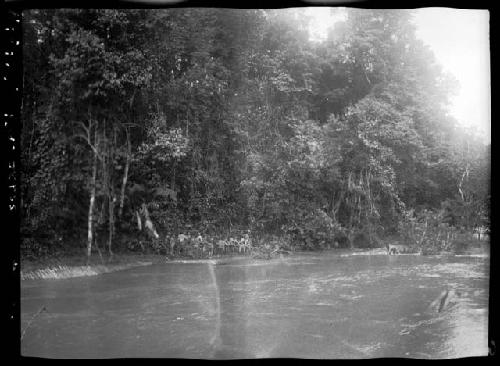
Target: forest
point(196, 131)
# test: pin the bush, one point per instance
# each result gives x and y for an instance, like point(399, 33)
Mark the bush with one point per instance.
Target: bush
point(315, 231)
point(32, 248)
point(429, 234)
point(460, 245)
point(341, 240)
point(361, 240)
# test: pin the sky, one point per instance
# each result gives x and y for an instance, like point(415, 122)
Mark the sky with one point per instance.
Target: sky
point(459, 39)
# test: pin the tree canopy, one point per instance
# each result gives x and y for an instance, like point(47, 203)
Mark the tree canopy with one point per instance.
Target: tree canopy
point(224, 118)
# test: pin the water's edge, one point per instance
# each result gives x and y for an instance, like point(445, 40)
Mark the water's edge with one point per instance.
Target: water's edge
point(72, 271)
point(63, 272)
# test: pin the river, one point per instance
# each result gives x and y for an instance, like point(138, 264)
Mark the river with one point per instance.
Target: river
point(313, 305)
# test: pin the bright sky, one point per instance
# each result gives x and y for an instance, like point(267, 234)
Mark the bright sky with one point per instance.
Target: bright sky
point(460, 41)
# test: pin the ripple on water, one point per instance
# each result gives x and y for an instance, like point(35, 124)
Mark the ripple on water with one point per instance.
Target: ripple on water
point(462, 270)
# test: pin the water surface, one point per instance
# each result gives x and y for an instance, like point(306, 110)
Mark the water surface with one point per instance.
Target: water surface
point(322, 305)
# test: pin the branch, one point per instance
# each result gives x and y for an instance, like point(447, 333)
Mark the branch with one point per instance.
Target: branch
point(85, 135)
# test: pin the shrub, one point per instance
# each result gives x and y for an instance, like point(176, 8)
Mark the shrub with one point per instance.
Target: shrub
point(361, 240)
point(428, 233)
point(316, 230)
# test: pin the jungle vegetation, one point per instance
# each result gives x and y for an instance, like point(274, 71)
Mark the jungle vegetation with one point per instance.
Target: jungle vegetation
point(226, 122)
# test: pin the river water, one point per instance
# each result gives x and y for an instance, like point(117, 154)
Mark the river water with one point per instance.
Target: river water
point(322, 305)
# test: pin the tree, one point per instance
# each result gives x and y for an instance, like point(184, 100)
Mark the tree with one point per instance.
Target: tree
point(94, 64)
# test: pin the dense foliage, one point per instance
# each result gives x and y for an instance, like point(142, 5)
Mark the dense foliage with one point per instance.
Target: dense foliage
point(218, 120)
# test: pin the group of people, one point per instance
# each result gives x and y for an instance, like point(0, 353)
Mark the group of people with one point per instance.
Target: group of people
point(208, 246)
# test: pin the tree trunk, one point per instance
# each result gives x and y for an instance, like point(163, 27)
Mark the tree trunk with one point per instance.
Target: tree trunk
point(336, 205)
point(139, 224)
point(96, 242)
point(125, 175)
point(147, 221)
point(111, 193)
point(350, 237)
point(172, 177)
point(111, 206)
point(91, 208)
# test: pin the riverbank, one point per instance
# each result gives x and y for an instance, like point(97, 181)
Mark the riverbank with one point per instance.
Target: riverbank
point(71, 265)
point(74, 265)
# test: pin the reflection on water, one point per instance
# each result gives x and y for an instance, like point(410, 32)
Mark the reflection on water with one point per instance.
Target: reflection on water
point(305, 306)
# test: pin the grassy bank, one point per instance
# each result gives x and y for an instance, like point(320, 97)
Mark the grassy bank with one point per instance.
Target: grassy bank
point(71, 265)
